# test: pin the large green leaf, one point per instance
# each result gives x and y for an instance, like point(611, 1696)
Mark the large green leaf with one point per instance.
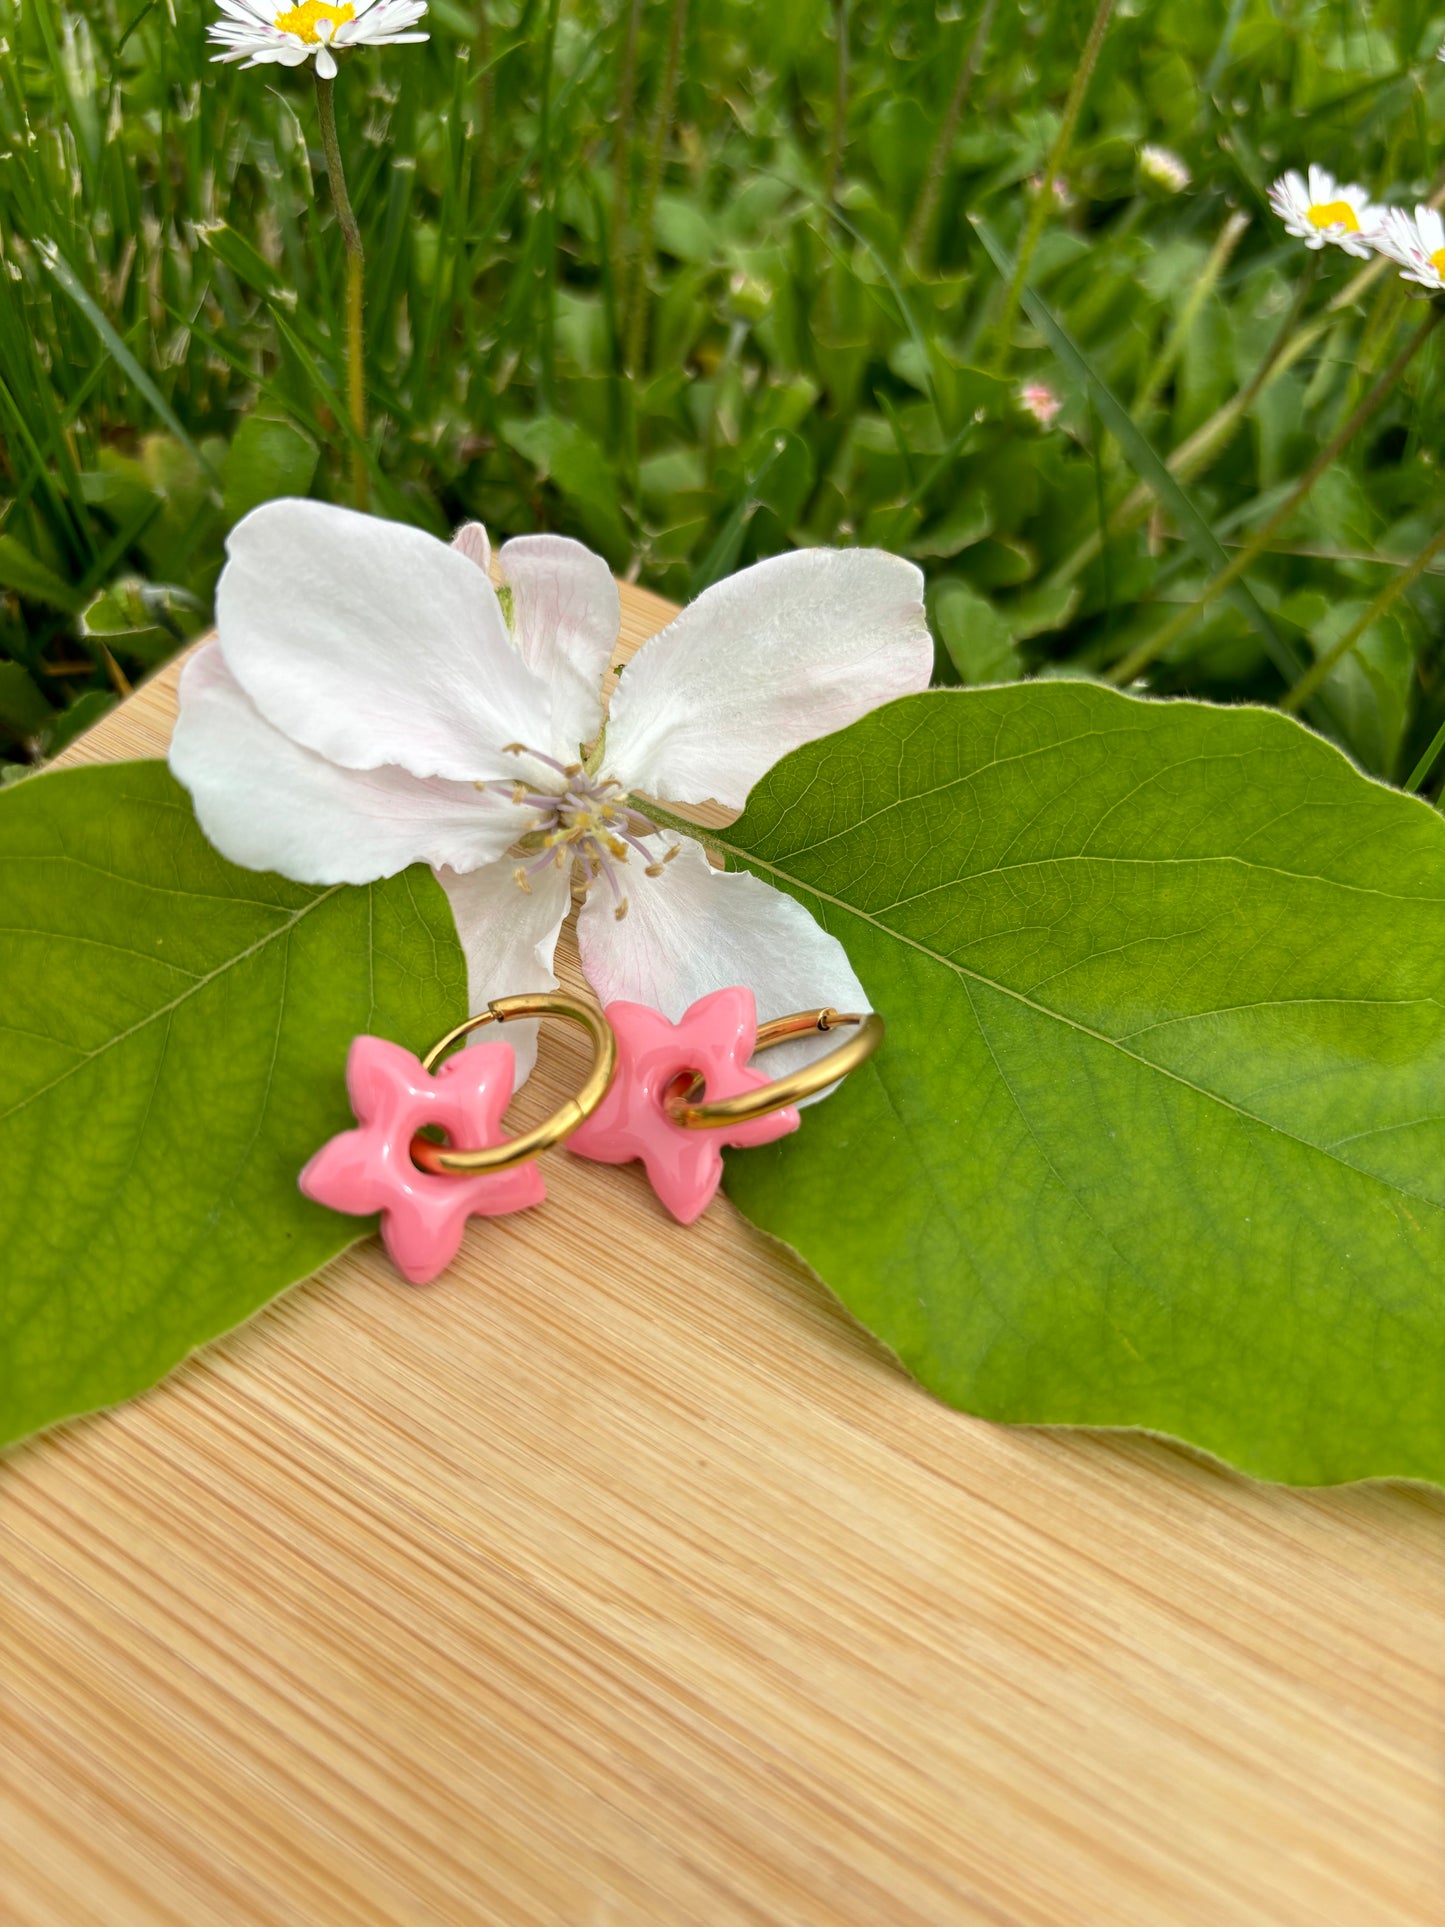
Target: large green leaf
point(175, 1032)
point(1157, 1136)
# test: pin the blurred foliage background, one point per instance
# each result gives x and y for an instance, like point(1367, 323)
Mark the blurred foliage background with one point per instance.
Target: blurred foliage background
point(697, 282)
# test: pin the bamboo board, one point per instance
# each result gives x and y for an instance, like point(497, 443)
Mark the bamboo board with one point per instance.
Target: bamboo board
point(619, 1578)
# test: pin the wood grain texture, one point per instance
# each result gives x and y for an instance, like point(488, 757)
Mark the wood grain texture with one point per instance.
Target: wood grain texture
point(619, 1578)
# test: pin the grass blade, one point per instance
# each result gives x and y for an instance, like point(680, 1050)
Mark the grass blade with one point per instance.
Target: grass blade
point(56, 262)
point(1144, 459)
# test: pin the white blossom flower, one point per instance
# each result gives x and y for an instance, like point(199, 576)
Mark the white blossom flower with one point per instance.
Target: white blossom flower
point(1417, 242)
point(259, 32)
point(373, 701)
point(1323, 209)
point(1164, 168)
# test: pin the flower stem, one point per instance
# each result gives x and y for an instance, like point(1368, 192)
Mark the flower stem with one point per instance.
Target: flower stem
point(355, 286)
point(668, 820)
point(1058, 154)
point(1140, 658)
point(1310, 681)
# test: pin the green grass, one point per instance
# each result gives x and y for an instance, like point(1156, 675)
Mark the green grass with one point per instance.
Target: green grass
point(807, 369)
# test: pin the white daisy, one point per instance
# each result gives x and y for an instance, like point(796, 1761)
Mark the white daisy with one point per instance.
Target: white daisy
point(1323, 209)
point(1417, 242)
point(1164, 168)
point(373, 701)
point(259, 32)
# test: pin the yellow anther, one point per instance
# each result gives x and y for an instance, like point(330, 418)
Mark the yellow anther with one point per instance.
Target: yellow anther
point(621, 911)
point(1334, 214)
point(519, 877)
point(304, 20)
point(653, 870)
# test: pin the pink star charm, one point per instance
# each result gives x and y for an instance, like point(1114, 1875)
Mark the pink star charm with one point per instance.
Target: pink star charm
point(715, 1037)
point(370, 1169)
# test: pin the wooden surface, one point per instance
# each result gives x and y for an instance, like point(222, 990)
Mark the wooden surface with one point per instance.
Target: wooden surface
point(618, 1578)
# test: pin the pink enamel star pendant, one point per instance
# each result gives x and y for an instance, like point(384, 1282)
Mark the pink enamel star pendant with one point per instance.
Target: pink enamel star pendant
point(715, 1038)
point(371, 1169)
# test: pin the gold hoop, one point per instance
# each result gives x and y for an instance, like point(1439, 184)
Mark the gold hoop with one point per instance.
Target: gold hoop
point(444, 1161)
point(784, 1091)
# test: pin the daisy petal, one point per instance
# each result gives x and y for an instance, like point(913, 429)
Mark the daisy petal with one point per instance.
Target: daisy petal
point(694, 930)
point(786, 651)
point(268, 804)
point(565, 617)
point(371, 642)
point(326, 63)
point(508, 939)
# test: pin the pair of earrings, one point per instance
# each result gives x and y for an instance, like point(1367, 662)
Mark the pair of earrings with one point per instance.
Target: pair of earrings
point(671, 1095)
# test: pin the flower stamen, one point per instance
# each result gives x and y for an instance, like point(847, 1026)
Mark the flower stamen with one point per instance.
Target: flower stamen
point(588, 820)
point(308, 19)
point(1334, 214)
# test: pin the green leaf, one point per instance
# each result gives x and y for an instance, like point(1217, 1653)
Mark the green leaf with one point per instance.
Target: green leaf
point(175, 1040)
point(968, 521)
point(568, 457)
point(1157, 1136)
point(266, 459)
point(77, 717)
point(23, 709)
point(1367, 691)
point(975, 635)
point(20, 571)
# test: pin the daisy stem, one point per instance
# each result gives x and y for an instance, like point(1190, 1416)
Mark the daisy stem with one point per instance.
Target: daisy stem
point(1053, 167)
point(355, 285)
point(1310, 681)
point(1140, 658)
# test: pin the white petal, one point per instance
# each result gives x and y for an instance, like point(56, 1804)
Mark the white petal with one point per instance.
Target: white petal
point(695, 929)
point(788, 650)
point(268, 804)
point(471, 541)
point(508, 939)
point(371, 642)
point(325, 63)
point(566, 614)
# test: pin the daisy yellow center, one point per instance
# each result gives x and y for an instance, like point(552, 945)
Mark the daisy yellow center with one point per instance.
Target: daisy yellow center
point(303, 20)
point(1437, 262)
point(1334, 214)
